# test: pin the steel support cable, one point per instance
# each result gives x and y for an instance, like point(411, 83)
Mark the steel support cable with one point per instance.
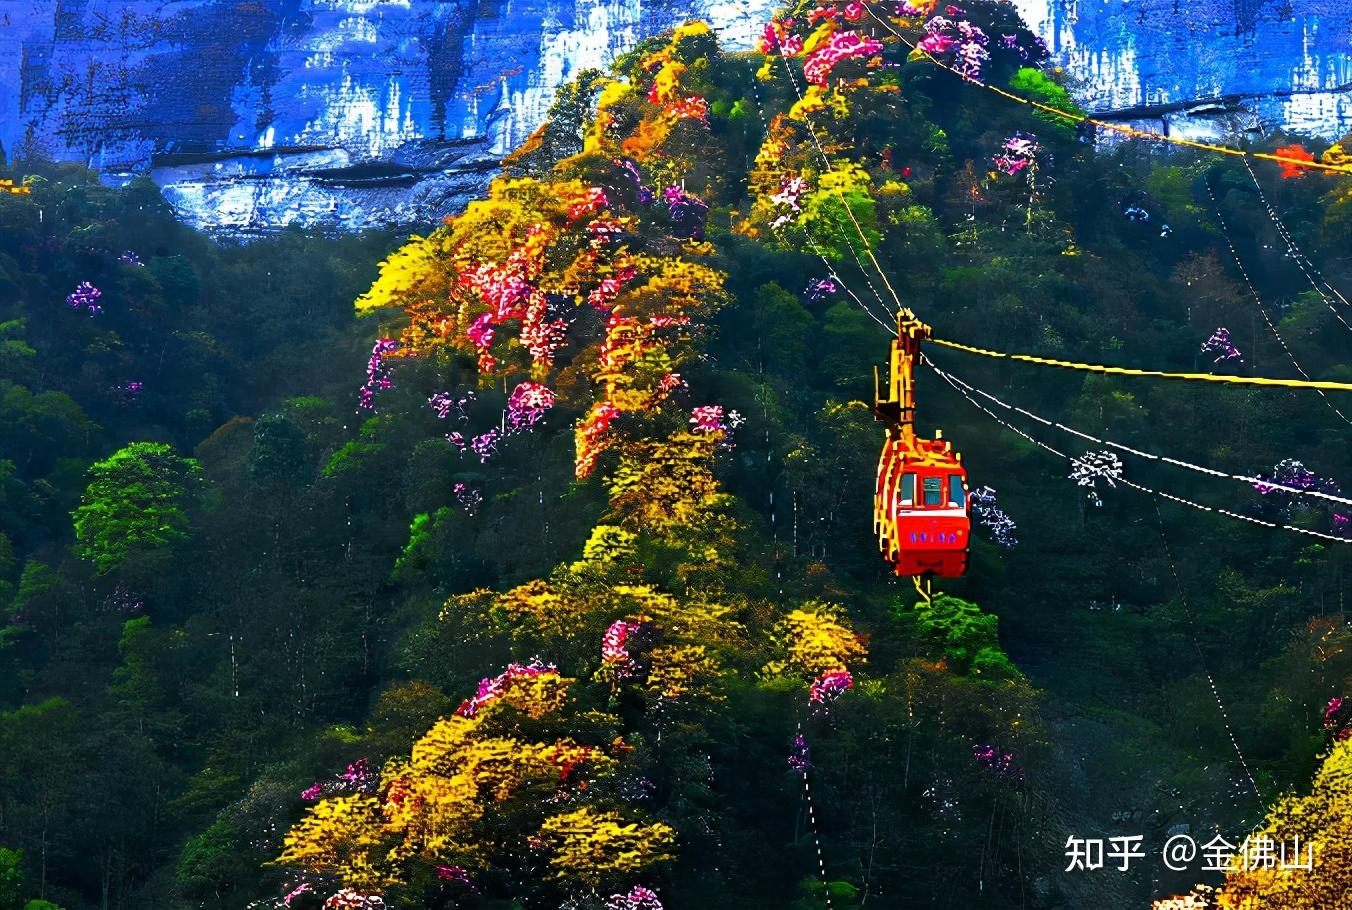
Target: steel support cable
point(831, 270)
point(863, 239)
point(963, 388)
point(1150, 456)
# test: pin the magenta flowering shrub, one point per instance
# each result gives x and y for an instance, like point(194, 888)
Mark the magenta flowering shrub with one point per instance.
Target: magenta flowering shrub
point(638, 898)
point(485, 445)
point(455, 874)
point(1220, 344)
point(1290, 474)
point(358, 778)
point(1002, 763)
point(379, 374)
point(828, 687)
point(1289, 478)
point(614, 645)
point(492, 688)
point(1338, 718)
point(818, 289)
point(958, 43)
point(1018, 153)
point(688, 213)
point(707, 418)
point(841, 46)
point(350, 899)
point(470, 498)
point(528, 403)
point(87, 296)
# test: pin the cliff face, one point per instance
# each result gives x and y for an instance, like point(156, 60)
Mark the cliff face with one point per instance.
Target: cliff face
point(1290, 60)
point(257, 113)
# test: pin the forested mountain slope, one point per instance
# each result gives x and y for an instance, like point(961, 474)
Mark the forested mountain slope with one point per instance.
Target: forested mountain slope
point(576, 602)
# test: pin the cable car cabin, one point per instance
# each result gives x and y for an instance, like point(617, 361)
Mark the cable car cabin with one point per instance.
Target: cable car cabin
point(920, 507)
point(920, 510)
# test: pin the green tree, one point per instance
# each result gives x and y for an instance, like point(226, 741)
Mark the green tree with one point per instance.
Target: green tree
point(783, 326)
point(11, 879)
point(278, 458)
point(840, 217)
point(851, 344)
point(40, 789)
point(40, 598)
point(819, 895)
point(154, 663)
point(214, 862)
point(317, 420)
point(136, 502)
point(7, 563)
point(12, 884)
point(16, 355)
point(40, 428)
point(961, 634)
point(1033, 83)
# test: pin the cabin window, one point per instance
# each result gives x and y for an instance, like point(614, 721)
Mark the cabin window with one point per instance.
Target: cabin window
point(956, 496)
point(934, 491)
point(908, 489)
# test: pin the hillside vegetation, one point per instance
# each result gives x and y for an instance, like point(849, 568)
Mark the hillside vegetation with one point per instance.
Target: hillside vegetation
point(575, 601)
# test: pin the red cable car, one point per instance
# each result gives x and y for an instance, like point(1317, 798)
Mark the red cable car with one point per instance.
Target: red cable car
point(920, 507)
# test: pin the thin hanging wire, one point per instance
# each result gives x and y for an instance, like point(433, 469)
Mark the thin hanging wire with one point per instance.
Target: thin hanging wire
point(966, 390)
point(1200, 469)
point(1307, 268)
point(1258, 301)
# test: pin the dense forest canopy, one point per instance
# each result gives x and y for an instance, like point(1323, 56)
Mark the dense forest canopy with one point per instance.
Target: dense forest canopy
point(526, 562)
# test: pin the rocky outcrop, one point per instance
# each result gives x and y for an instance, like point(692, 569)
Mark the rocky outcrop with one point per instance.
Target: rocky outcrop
point(252, 114)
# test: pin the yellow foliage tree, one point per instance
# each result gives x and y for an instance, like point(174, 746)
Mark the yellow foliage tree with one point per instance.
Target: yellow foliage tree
point(1313, 831)
point(815, 639)
point(1320, 822)
point(481, 288)
point(691, 618)
point(431, 806)
point(404, 274)
point(535, 605)
point(665, 483)
point(608, 544)
point(593, 846)
point(344, 836)
point(679, 670)
point(489, 283)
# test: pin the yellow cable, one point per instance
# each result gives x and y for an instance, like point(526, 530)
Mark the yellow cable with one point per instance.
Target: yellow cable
point(1115, 127)
point(1129, 371)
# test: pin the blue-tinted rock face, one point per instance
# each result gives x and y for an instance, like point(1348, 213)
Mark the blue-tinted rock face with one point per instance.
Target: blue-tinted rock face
point(1291, 59)
point(257, 113)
